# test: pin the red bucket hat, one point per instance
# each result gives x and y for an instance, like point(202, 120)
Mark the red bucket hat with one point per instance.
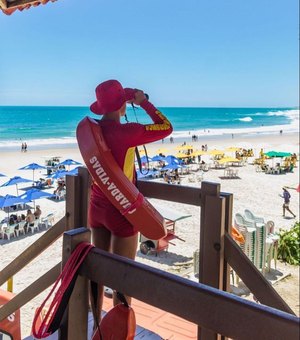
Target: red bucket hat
point(110, 97)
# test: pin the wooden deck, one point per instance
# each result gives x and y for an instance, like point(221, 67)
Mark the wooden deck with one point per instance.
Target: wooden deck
point(152, 324)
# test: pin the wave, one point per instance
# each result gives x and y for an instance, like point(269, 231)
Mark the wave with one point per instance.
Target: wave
point(245, 119)
point(291, 114)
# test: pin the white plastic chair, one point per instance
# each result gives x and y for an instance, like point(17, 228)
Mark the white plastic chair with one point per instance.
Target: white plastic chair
point(9, 231)
point(34, 226)
point(250, 216)
point(48, 220)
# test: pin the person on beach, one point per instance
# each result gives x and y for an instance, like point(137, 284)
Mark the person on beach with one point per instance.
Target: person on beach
point(286, 196)
point(38, 212)
point(29, 220)
point(111, 231)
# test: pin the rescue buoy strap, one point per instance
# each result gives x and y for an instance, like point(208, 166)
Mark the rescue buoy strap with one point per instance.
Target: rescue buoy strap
point(136, 204)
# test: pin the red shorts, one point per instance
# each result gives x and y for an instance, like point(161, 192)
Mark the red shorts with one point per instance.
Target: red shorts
point(102, 214)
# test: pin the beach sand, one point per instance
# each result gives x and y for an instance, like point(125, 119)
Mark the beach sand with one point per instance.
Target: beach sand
point(253, 190)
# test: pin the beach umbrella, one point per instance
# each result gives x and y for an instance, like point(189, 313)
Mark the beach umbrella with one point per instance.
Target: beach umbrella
point(182, 155)
point(35, 194)
point(145, 159)
point(158, 158)
point(15, 181)
point(228, 160)
point(170, 159)
point(198, 153)
point(33, 166)
point(69, 162)
point(280, 154)
point(185, 147)
point(216, 152)
point(233, 149)
point(1, 175)
point(172, 166)
point(149, 173)
point(10, 200)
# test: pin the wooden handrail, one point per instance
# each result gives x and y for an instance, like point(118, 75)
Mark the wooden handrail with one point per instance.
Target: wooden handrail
point(33, 250)
point(206, 306)
point(252, 277)
point(30, 292)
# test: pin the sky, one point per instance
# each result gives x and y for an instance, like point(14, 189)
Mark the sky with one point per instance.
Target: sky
point(216, 53)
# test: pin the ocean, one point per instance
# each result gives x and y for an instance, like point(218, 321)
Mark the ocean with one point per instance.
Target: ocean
point(44, 126)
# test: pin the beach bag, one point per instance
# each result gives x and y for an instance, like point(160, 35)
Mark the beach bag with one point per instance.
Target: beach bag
point(46, 321)
point(118, 323)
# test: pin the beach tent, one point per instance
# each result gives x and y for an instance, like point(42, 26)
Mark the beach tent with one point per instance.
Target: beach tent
point(32, 166)
point(272, 154)
point(35, 194)
point(10, 6)
point(15, 181)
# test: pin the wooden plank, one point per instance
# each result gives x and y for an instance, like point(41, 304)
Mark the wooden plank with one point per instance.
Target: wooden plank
point(252, 277)
point(73, 202)
point(76, 323)
point(206, 306)
point(35, 249)
point(211, 256)
point(228, 229)
point(168, 192)
point(30, 292)
point(85, 184)
point(3, 4)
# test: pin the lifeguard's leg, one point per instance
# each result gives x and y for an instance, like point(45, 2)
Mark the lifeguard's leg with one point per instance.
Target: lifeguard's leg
point(124, 246)
point(101, 238)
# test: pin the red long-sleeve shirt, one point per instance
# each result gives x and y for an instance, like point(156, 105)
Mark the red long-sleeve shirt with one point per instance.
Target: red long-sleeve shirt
point(123, 138)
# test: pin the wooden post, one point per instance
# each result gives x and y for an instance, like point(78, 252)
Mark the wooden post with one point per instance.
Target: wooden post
point(85, 185)
point(75, 323)
point(211, 255)
point(228, 228)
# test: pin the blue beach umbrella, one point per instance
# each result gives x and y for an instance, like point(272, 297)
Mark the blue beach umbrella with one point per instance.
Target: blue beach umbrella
point(32, 166)
point(158, 158)
point(172, 166)
point(68, 162)
point(1, 175)
point(15, 180)
point(10, 200)
point(35, 194)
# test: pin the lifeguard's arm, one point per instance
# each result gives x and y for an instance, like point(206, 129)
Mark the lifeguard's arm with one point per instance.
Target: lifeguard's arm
point(139, 134)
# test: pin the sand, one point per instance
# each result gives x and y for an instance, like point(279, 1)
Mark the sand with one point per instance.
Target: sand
point(253, 190)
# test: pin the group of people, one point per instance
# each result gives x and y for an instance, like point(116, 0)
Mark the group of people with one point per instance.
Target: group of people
point(29, 218)
point(24, 147)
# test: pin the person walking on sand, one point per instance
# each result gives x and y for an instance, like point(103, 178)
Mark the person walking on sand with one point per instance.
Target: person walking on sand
point(111, 231)
point(286, 196)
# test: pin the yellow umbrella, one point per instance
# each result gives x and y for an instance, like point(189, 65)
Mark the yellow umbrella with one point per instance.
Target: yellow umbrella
point(182, 155)
point(216, 152)
point(185, 147)
point(233, 149)
point(198, 153)
point(228, 160)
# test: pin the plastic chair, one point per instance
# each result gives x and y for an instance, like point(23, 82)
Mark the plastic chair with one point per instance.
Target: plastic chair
point(34, 226)
point(250, 216)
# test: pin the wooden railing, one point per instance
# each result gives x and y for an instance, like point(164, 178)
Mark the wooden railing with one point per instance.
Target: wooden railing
point(217, 252)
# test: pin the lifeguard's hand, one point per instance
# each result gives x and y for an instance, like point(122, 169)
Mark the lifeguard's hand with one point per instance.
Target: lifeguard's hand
point(139, 97)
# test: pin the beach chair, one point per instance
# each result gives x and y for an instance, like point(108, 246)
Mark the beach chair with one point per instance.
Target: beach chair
point(9, 231)
point(34, 226)
point(251, 217)
point(48, 221)
point(20, 228)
